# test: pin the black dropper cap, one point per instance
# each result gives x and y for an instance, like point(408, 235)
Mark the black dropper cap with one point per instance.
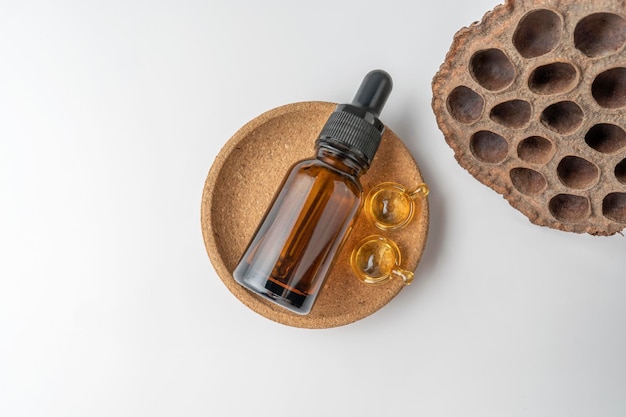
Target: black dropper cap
point(356, 125)
point(373, 92)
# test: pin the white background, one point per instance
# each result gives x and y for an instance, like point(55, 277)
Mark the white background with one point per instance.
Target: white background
point(111, 114)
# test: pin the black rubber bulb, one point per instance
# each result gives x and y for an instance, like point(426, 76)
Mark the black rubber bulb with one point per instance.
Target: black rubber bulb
point(373, 92)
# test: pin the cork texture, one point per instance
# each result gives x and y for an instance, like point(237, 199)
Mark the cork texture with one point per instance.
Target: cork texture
point(531, 99)
point(242, 181)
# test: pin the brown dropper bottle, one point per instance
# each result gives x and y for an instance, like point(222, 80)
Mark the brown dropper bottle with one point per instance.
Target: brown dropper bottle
point(297, 241)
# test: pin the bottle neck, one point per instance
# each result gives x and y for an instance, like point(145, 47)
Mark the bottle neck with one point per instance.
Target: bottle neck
point(343, 160)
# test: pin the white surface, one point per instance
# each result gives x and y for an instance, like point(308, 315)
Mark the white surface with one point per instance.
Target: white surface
point(111, 114)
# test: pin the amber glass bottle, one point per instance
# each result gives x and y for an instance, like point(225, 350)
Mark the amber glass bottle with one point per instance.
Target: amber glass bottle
point(295, 245)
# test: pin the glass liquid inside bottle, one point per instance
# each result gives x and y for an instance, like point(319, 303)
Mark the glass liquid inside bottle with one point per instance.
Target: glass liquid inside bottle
point(297, 242)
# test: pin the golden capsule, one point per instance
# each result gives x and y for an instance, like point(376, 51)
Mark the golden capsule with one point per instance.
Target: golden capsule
point(390, 206)
point(376, 259)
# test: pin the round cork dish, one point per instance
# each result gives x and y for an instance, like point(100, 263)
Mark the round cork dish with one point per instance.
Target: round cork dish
point(242, 181)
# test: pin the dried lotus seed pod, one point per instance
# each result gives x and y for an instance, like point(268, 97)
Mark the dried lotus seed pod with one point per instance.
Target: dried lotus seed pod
point(532, 100)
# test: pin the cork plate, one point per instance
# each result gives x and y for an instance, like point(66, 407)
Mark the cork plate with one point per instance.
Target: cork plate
point(240, 186)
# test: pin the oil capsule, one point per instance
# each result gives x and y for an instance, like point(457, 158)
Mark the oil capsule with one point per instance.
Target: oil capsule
point(390, 206)
point(376, 260)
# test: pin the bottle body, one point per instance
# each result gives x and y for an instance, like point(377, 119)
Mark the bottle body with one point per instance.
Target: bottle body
point(296, 243)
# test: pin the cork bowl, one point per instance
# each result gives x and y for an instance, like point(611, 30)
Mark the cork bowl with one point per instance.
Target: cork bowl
point(532, 99)
point(240, 186)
